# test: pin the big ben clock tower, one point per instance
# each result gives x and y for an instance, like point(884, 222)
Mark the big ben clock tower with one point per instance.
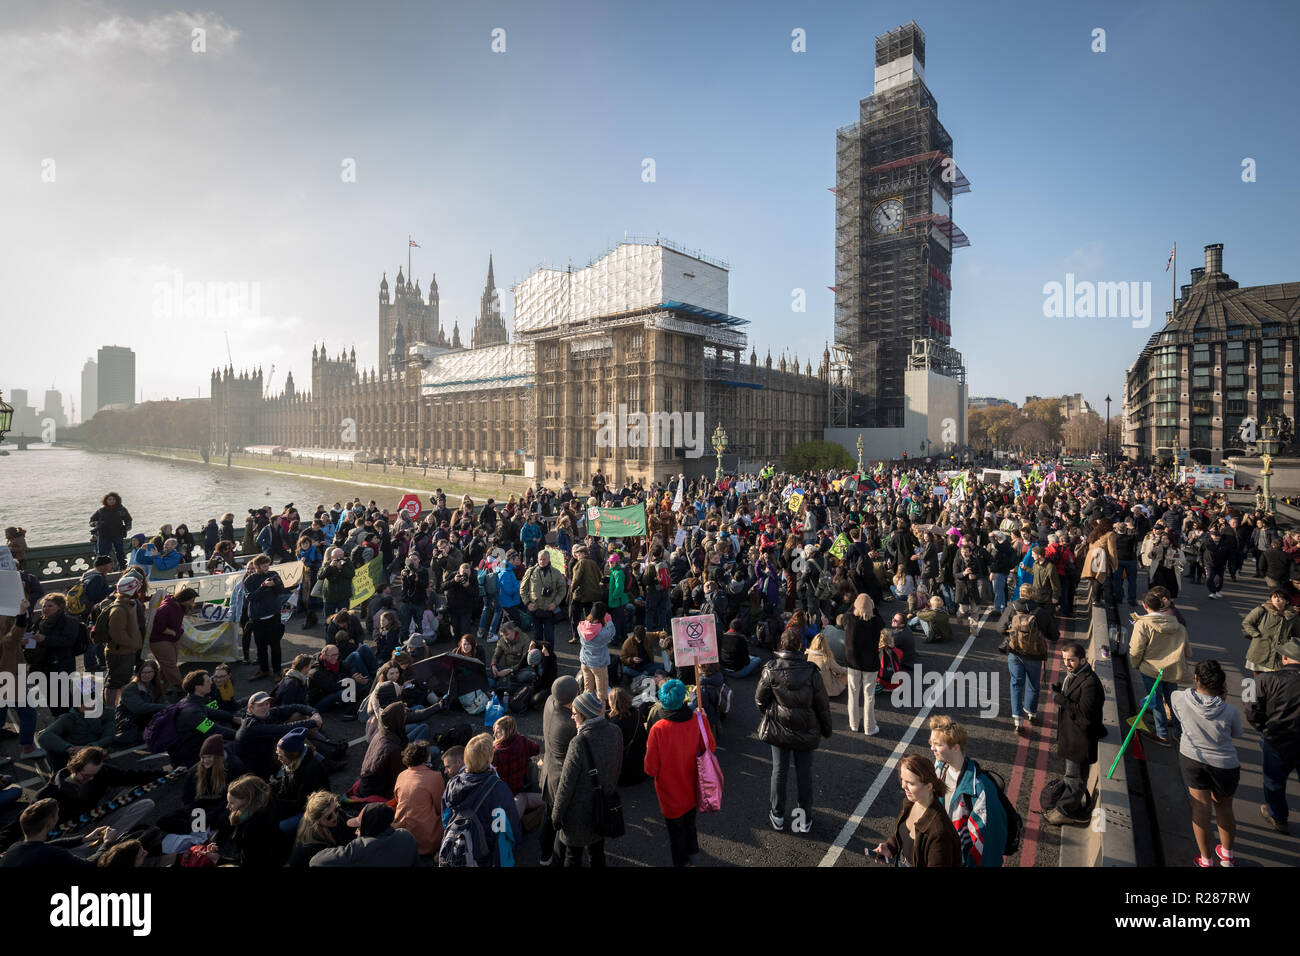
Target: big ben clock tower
point(894, 234)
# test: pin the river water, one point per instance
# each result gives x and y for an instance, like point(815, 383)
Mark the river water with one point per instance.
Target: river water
point(52, 492)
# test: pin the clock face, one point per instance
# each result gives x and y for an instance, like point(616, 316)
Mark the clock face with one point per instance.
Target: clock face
point(887, 217)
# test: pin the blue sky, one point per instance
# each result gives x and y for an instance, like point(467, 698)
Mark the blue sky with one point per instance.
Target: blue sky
point(225, 166)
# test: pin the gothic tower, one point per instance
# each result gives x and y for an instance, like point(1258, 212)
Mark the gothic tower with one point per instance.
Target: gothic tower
point(489, 329)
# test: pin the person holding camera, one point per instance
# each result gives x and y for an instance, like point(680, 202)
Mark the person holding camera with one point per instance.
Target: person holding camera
point(543, 591)
point(923, 836)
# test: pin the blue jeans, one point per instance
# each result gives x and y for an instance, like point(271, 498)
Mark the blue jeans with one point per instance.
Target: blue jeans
point(949, 598)
point(291, 824)
point(10, 795)
point(1024, 704)
point(1157, 708)
point(925, 626)
point(26, 724)
point(999, 592)
point(416, 732)
point(1214, 578)
point(491, 612)
point(363, 659)
point(746, 670)
point(407, 610)
point(1126, 570)
point(1277, 767)
point(113, 546)
point(803, 777)
point(329, 700)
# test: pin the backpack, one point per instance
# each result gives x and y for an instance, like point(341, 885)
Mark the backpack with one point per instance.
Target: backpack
point(1027, 638)
point(665, 584)
point(161, 734)
point(76, 599)
point(1015, 822)
point(891, 659)
point(464, 843)
point(1100, 563)
point(81, 643)
point(99, 632)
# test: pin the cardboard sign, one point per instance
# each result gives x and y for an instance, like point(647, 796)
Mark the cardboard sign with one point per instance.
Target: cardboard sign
point(695, 640)
point(11, 593)
point(364, 582)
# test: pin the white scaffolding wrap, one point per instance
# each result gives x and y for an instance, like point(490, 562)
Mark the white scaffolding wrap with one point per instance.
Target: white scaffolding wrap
point(491, 367)
point(632, 277)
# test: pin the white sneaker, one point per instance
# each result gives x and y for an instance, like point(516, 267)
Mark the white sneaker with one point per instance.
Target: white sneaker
point(873, 731)
point(493, 639)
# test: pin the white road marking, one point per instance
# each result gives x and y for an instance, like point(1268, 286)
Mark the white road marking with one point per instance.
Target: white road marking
point(864, 806)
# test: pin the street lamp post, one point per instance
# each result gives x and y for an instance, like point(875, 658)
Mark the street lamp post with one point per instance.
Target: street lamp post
point(859, 452)
point(1268, 447)
point(7, 418)
point(1107, 433)
point(719, 446)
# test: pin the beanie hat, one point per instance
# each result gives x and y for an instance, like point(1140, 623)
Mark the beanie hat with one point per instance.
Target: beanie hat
point(534, 657)
point(564, 689)
point(672, 694)
point(128, 585)
point(213, 746)
point(295, 741)
point(385, 694)
point(588, 705)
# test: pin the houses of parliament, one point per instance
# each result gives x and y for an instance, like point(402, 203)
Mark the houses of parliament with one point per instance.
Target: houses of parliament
point(642, 330)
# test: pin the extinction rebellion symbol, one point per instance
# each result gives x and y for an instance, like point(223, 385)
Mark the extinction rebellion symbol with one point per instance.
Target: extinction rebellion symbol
point(695, 634)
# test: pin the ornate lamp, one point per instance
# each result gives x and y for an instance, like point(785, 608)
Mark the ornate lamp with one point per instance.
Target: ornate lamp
point(719, 446)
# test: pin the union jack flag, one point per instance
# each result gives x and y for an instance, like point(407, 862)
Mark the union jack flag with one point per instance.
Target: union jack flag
point(413, 244)
point(1170, 260)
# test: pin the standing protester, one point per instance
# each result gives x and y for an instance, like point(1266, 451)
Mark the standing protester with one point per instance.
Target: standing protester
point(972, 801)
point(264, 593)
point(1029, 627)
point(796, 714)
point(862, 630)
point(594, 754)
point(109, 526)
point(1159, 647)
point(670, 758)
point(923, 835)
point(558, 731)
point(1208, 759)
point(168, 627)
point(1268, 627)
point(1275, 713)
point(1079, 700)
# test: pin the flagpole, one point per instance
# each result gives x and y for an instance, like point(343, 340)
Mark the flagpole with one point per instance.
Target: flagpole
point(1173, 283)
point(408, 257)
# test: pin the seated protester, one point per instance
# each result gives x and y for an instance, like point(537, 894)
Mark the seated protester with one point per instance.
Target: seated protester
point(300, 775)
point(205, 785)
point(477, 785)
point(546, 668)
point(972, 799)
point(933, 621)
point(709, 691)
point(631, 723)
point(325, 685)
point(388, 634)
point(639, 654)
point(385, 693)
point(355, 653)
point(733, 651)
point(292, 688)
point(509, 657)
point(126, 854)
point(223, 690)
point(138, 702)
point(35, 849)
point(74, 730)
point(377, 842)
point(468, 646)
point(323, 825)
point(903, 639)
point(412, 689)
point(383, 760)
point(418, 793)
point(197, 718)
point(511, 752)
point(85, 783)
point(256, 840)
point(256, 739)
point(834, 677)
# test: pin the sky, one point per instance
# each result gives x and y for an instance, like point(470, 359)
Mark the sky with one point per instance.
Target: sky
point(131, 161)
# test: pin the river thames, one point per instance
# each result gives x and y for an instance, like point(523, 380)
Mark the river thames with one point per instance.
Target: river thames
point(52, 492)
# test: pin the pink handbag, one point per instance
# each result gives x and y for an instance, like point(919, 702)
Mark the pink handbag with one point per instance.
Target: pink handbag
point(708, 774)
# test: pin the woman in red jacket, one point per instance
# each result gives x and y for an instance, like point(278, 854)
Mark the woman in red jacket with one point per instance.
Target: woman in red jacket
point(670, 758)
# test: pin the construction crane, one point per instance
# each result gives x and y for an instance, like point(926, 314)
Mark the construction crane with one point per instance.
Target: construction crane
point(267, 388)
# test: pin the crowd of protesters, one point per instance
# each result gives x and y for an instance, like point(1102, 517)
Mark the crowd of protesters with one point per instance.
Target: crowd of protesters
point(796, 573)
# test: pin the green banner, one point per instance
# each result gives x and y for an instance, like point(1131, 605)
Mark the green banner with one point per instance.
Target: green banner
point(365, 581)
point(557, 559)
point(626, 522)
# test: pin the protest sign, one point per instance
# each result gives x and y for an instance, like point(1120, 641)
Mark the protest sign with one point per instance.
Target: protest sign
point(695, 640)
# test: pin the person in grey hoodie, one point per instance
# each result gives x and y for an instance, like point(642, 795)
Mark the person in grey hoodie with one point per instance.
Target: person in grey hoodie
point(1208, 758)
point(598, 744)
point(377, 843)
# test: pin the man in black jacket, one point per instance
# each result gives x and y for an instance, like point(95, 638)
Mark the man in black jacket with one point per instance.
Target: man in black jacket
point(255, 741)
point(1275, 713)
point(1079, 701)
point(733, 651)
point(1277, 566)
point(35, 850)
point(1214, 558)
point(198, 717)
point(796, 713)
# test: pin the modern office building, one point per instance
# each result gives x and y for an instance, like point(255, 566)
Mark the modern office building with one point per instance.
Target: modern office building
point(116, 377)
point(54, 408)
point(1224, 354)
point(894, 237)
point(89, 390)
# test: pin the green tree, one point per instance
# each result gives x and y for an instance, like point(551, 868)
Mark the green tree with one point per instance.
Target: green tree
point(818, 456)
point(1048, 412)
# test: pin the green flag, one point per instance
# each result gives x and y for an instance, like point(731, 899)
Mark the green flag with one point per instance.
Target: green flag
point(626, 522)
point(364, 582)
